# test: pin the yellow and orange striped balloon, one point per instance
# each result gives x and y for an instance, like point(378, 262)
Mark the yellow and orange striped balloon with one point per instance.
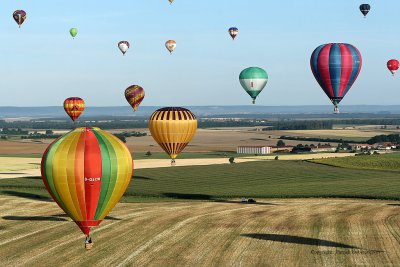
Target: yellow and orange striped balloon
point(173, 128)
point(87, 171)
point(74, 106)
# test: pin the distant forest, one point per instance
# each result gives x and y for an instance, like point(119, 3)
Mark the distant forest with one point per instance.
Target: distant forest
point(268, 124)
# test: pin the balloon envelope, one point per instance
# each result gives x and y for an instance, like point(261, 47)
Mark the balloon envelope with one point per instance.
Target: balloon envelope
point(74, 106)
point(233, 32)
point(86, 171)
point(173, 128)
point(124, 46)
point(365, 8)
point(336, 67)
point(393, 65)
point(134, 94)
point(19, 17)
point(73, 32)
point(170, 45)
point(253, 81)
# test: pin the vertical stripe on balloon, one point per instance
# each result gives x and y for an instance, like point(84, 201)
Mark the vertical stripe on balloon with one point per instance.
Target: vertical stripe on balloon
point(357, 63)
point(323, 69)
point(93, 173)
point(347, 60)
point(335, 64)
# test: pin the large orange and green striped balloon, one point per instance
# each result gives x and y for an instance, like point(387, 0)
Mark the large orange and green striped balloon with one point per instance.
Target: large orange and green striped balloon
point(74, 106)
point(173, 128)
point(87, 171)
point(134, 94)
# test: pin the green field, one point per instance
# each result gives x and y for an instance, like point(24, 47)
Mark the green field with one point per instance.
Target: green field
point(369, 162)
point(265, 179)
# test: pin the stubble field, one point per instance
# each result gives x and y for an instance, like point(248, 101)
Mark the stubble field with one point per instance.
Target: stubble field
point(294, 232)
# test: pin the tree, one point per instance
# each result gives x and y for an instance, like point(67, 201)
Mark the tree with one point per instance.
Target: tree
point(148, 154)
point(48, 132)
point(231, 160)
point(277, 158)
point(280, 143)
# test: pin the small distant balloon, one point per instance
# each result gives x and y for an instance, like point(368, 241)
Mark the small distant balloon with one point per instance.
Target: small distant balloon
point(365, 8)
point(73, 32)
point(19, 17)
point(393, 65)
point(253, 81)
point(123, 46)
point(233, 32)
point(134, 94)
point(74, 106)
point(170, 45)
point(171, 1)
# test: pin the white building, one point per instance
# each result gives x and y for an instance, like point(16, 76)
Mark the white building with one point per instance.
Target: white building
point(259, 150)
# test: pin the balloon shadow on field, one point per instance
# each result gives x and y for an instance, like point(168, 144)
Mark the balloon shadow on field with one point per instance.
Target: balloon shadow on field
point(141, 177)
point(33, 177)
point(188, 196)
point(393, 205)
point(246, 203)
point(299, 240)
point(210, 198)
point(27, 195)
point(33, 218)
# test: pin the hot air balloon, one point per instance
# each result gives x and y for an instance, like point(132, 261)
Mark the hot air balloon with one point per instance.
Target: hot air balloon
point(173, 128)
point(253, 81)
point(19, 17)
point(86, 171)
point(365, 8)
point(336, 67)
point(393, 65)
point(134, 94)
point(123, 46)
point(73, 32)
point(170, 45)
point(233, 32)
point(74, 106)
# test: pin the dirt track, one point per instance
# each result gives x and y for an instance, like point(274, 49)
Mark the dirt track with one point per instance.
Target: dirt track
point(293, 232)
point(11, 167)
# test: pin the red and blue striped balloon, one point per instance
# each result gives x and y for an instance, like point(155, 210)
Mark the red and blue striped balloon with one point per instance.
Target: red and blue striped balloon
point(336, 67)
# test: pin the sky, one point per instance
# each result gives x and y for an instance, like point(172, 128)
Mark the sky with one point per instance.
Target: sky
point(41, 65)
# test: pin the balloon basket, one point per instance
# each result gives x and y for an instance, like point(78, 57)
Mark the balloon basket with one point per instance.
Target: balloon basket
point(88, 246)
point(173, 163)
point(336, 110)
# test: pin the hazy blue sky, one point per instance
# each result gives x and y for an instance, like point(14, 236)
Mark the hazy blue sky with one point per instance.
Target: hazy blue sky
point(40, 64)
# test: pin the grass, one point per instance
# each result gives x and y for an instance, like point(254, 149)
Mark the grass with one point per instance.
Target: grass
point(367, 162)
point(266, 179)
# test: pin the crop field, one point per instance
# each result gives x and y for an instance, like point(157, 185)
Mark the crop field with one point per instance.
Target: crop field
point(389, 161)
point(291, 232)
point(259, 179)
point(217, 140)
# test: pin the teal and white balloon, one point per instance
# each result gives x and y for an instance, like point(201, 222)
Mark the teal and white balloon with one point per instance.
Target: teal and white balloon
point(253, 81)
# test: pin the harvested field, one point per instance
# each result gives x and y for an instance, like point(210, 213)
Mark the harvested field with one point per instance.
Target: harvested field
point(294, 232)
point(14, 167)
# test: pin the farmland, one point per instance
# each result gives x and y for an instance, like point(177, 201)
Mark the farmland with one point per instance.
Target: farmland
point(275, 232)
point(258, 179)
point(370, 162)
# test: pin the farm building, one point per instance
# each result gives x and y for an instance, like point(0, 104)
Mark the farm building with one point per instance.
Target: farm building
point(277, 149)
point(360, 146)
point(260, 150)
point(323, 148)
